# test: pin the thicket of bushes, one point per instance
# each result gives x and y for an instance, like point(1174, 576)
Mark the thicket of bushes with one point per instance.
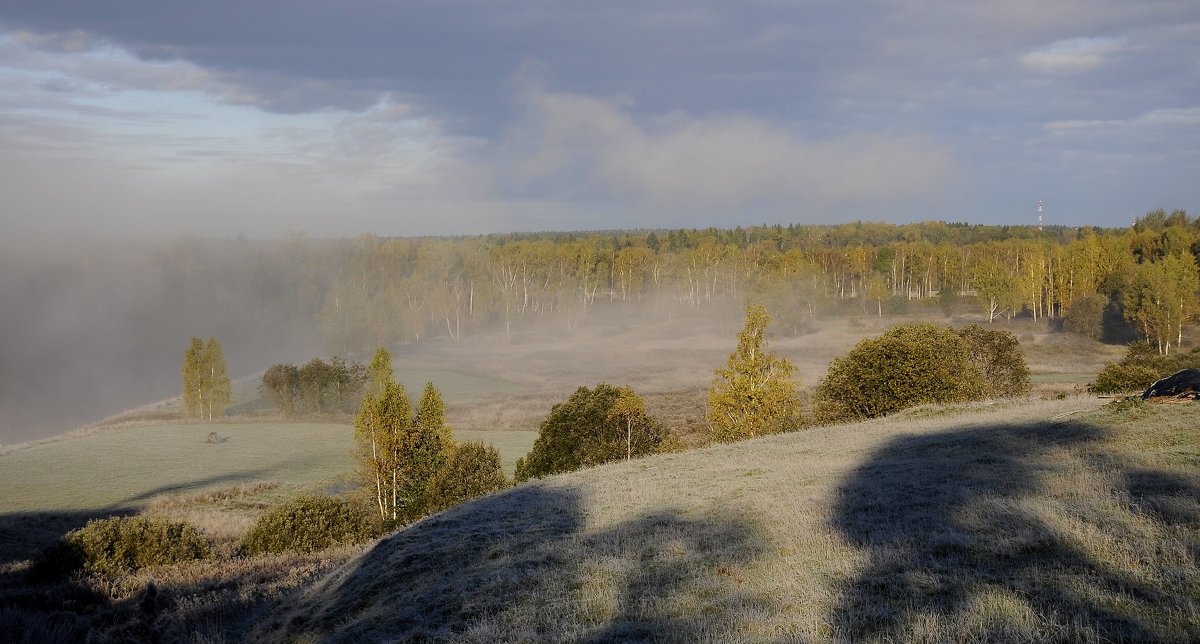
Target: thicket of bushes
point(125, 544)
point(914, 364)
point(1140, 367)
point(307, 524)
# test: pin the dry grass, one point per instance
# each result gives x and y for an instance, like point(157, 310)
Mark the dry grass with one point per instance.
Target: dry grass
point(994, 523)
point(210, 601)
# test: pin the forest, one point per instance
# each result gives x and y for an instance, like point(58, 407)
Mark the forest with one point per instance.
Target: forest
point(369, 291)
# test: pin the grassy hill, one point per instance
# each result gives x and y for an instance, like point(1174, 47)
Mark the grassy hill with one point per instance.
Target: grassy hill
point(1022, 521)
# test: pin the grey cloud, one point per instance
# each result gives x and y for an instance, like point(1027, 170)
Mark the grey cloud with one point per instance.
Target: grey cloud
point(679, 163)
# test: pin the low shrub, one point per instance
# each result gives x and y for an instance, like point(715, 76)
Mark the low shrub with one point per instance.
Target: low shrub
point(124, 544)
point(1118, 378)
point(1140, 367)
point(307, 524)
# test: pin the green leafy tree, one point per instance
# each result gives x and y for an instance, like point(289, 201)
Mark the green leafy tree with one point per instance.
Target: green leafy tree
point(629, 411)
point(193, 368)
point(216, 379)
point(754, 394)
point(281, 385)
point(909, 365)
point(995, 288)
point(347, 382)
point(385, 412)
point(400, 454)
point(382, 430)
point(379, 373)
point(315, 379)
point(206, 386)
point(1085, 316)
point(1163, 297)
point(588, 429)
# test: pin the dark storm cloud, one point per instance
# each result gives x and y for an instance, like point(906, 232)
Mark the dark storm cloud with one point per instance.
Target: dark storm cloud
point(791, 60)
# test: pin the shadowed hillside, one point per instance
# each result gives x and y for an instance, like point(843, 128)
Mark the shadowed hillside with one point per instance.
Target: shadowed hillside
point(999, 523)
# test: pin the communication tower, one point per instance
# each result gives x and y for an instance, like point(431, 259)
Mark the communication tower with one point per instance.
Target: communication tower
point(1039, 214)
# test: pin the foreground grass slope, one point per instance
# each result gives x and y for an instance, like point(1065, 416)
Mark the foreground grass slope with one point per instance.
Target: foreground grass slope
point(1019, 522)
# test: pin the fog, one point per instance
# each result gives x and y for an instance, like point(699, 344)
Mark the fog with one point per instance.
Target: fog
point(91, 327)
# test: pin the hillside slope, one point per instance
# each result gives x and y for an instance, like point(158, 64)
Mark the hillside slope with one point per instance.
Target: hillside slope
point(1018, 522)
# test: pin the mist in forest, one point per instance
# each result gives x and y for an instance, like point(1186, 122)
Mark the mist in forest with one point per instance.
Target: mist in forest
point(90, 328)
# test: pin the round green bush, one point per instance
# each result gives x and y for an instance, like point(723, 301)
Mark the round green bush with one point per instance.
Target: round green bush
point(307, 524)
point(909, 365)
point(124, 544)
point(997, 354)
point(472, 470)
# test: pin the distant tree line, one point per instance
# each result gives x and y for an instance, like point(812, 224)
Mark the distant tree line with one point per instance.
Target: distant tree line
point(372, 291)
point(317, 387)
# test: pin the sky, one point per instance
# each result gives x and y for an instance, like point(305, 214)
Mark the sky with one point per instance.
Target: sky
point(160, 118)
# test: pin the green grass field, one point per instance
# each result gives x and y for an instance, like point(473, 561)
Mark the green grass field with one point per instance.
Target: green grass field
point(127, 467)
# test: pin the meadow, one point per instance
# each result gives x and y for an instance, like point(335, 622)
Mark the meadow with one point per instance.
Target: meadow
point(48, 488)
point(760, 515)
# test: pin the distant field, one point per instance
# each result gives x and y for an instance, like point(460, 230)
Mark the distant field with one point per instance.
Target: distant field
point(127, 467)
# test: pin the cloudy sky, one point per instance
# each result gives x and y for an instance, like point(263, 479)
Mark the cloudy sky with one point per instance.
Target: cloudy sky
point(166, 117)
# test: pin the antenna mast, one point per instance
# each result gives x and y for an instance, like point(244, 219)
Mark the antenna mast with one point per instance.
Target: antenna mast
point(1039, 214)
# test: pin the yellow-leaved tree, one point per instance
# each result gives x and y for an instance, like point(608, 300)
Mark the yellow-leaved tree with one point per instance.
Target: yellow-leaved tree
point(754, 394)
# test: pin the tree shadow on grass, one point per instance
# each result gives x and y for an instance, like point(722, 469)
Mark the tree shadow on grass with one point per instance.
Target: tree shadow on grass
point(963, 531)
point(522, 566)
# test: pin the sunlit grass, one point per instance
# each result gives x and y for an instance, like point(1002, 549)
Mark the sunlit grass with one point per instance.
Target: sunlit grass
point(1012, 522)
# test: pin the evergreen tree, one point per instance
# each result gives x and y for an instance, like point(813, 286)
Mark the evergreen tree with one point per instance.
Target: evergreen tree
point(423, 453)
point(754, 393)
